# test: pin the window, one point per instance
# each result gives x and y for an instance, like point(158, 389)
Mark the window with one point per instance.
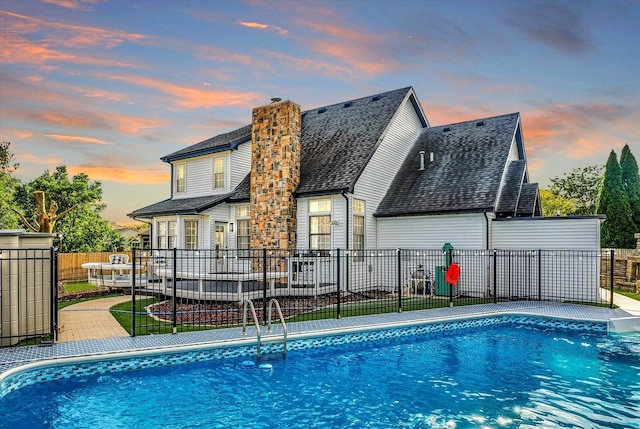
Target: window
point(358, 229)
point(320, 224)
point(180, 177)
point(167, 236)
point(218, 173)
point(242, 225)
point(221, 240)
point(191, 234)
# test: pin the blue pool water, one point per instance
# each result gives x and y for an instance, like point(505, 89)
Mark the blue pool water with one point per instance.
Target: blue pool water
point(498, 376)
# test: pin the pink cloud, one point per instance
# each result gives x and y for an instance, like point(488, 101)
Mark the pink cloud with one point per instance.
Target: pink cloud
point(77, 139)
point(193, 97)
point(260, 26)
point(119, 174)
point(73, 4)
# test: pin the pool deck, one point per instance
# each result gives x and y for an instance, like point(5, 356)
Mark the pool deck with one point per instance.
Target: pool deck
point(17, 356)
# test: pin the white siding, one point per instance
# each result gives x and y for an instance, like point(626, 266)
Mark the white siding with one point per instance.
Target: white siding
point(199, 173)
point(384, 165)
point(463, 231)
point(547, 234)
point(302, 234)
point(240, 164)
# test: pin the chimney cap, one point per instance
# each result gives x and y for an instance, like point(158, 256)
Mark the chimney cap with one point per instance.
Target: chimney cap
point(276, 99)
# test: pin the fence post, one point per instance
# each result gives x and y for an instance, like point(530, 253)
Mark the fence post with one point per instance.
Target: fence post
point(338, 281)
point(611, 264)
point(133, 292)
point(450, 252)
point(264, 285)
point(174, 316)
point(539, 275)
point(53, 277)
point(495, 276)
point(399, 260)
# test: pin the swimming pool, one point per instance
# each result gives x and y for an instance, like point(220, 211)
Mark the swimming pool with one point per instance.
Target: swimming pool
point(506, 371)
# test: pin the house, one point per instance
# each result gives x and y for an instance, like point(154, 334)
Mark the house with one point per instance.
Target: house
point(360, 175)
point(364, 173)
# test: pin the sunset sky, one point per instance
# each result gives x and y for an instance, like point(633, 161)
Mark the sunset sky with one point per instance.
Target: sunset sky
point(108, 87)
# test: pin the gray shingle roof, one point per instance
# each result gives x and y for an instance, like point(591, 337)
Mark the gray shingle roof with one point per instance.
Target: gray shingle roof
point(529, 203)
point(511, 191)
point(180, 206)
point(337, 141)
point(221, 142)
point(466, 172)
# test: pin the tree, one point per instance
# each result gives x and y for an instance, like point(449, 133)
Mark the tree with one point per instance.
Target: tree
point(617, 230)
point(631, 183)
point(82, 229)
point(553, 204)
point(8, 183)
point(581, 185)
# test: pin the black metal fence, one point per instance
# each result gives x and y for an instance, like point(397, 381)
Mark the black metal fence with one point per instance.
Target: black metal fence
point(28, 295)
point(180, 290)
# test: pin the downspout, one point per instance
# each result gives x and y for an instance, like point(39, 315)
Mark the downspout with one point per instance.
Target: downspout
point(491, 254)
point(346, 267)
point(486, 217)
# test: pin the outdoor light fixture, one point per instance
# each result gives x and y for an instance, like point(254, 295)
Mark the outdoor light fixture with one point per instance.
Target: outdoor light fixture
point(231, 227)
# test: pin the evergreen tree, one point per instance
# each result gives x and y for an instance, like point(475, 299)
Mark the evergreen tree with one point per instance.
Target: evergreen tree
point(617, 230)
point(631, 183)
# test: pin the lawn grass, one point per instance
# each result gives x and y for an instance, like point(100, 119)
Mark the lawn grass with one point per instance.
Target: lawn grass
point(631, 295)
point(145, 324)
point(78, 286)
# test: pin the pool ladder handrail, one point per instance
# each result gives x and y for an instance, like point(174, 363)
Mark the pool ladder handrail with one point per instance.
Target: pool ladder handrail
point(281, 317)
point(255, 321)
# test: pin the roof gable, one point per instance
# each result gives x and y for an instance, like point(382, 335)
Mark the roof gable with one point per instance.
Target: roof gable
point(468, 164)
point(227, 141)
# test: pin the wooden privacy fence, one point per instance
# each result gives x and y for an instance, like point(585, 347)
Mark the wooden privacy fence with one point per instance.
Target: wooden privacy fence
point(70, 264)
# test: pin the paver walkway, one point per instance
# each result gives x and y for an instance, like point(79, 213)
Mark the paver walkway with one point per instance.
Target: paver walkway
point(90, 320)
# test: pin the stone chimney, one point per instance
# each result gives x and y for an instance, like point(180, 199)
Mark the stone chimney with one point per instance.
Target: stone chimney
point(275, 174)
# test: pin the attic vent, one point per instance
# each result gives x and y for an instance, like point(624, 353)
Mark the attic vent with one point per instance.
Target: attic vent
point(446, 129)
point(480, 124)
point(375, 98)
point(324, 109)
point(348, 104)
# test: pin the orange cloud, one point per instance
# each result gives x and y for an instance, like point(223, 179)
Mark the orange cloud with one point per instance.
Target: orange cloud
point(131, 176)
point(260, 26)
point(578, 130)
point(77, 139)
point(74, 119)
point(340, 32)
point(72, 4)
point(364, 58)
point(17, 47)
point(193, 97)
